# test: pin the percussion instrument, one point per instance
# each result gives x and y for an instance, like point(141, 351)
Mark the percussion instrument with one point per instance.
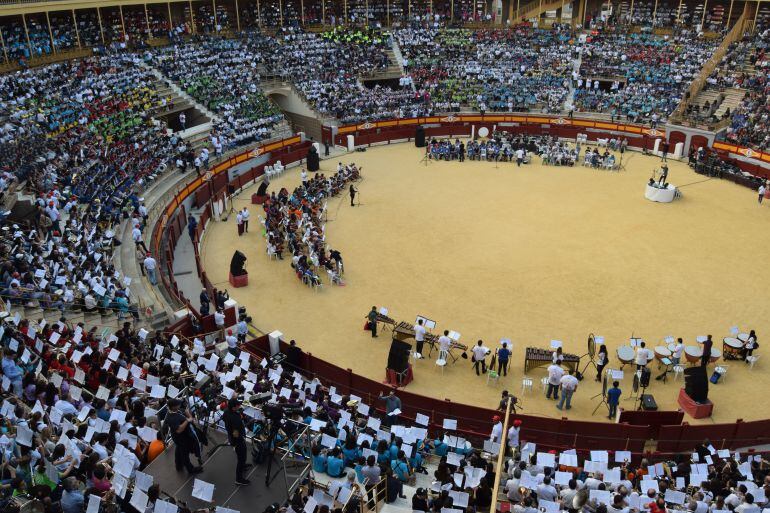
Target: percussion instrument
point(731, 346)
point(626, 354)
point(535, 357)
point(672, 347)
point(716, 354)
point(385, 319)
point(743, 337)
point(662, 352)
point(693, 353)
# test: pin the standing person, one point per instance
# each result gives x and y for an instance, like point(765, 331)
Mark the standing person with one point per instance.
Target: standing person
point(239, 222)
point(182, 120)
point(140, 256)
point(496, 435)
point(245, 216)
point(513, 435)
point(444, 342)
point(352, 193)
point(151, 266)
point(601, 361)
point(706, 356)
point(392, 403)
point(642, 356)
point(419, 336)
point(503, 355)
point(236, 433)
point(555, 374)
point(205, 302)
point(242, 329)
point(372, 320)
point(569, 385)
point(219, 321)
point(519, 157)
point(232, 343)
point(136, 234)
point(663, 150)
point(180, 426)
point(663, 174)
point(613, 398)
point(762, 190)
point(303, 176)
point(192, 225)
point(751, 345)
point(479, 356)
point(676, 354)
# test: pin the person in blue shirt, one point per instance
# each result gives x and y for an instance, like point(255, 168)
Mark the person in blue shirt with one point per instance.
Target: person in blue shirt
point(359, 468)
point(383, 453)
point(440, 448)
point(394, 449)
point(350, 451)
point(400, 467)
point(503, 354)
point(613, 398)
point(12, 371)
point(334, 463)
point(319, 460)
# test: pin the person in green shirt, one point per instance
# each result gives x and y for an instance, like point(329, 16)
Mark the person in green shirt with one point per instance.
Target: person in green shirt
point(372, 317)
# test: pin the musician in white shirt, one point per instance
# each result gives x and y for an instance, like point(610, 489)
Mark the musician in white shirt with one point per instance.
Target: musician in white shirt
point(497, 430)
point(419, 336)
point(676, 354)
point(479, 354)
point(557, 357)
point(444, 342)
point(642, 356)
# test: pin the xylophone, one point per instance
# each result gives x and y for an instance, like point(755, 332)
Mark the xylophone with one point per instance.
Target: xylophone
point(404, 331)
point(384, 319)
point(536, 357)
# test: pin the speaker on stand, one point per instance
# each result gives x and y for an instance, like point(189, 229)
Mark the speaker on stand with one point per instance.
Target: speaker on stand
point(419, 137)
point(313, 160)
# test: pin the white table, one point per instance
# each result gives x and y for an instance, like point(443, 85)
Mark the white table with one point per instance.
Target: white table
point(659, 194)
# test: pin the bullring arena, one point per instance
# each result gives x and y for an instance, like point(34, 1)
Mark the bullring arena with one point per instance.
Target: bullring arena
point(497, 252)
point(377, 256)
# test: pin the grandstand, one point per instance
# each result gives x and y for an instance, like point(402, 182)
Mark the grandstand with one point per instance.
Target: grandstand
point(135, 137)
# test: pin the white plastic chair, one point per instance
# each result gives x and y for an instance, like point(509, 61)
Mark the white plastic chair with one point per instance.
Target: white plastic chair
point(526, 384)
point(416, 356)
point(442, 360)
point(678, 371)
point(271, 254)
point(493, 376)
point(752, 360)
point(721, 369)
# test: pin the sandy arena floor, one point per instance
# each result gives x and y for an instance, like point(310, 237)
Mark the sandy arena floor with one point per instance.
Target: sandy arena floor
point(531, 254)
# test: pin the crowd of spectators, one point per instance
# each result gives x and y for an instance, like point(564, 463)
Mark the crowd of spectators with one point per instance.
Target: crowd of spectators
point(489, 70)
point(654, 71)
point(750, 67)
point(223, 75)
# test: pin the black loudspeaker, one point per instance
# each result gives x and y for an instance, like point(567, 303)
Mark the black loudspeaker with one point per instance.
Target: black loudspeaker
point(648, 403)
point(312, 159)
point(236, 264)
point(398, 357)
point(262, 190)
point(696, 383)
point(419, 137)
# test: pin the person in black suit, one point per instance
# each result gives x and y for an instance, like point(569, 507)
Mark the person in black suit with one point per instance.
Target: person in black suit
point(420, 500)
point(236, 436)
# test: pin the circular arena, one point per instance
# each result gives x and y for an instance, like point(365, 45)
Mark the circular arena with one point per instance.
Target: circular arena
point(364, 256)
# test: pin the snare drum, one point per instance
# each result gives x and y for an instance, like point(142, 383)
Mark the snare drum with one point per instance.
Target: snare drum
point(662, 352)
point(626, 354)
point(693, 353)
point(731, 345)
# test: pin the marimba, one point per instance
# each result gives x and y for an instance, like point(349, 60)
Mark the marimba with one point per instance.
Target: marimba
point(386, 321)
point(405, 331)
point(536, 357)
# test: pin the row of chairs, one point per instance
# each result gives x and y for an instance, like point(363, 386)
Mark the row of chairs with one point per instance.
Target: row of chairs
point(274, 170)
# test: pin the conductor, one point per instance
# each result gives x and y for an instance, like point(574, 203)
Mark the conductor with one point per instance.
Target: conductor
point(663, 174)
point(185, 440)
point(236, 437)
point(353, 192)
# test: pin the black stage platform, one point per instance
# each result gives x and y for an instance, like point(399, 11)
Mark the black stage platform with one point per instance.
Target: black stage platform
point(219, 470)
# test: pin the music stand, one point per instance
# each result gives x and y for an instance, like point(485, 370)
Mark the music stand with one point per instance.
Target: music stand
point(604, 396)
point(591, 352)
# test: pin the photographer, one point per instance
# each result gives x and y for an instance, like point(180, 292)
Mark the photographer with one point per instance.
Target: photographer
point(236, 437)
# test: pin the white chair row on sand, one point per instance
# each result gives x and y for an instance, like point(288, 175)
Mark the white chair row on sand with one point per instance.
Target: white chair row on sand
point(274, 170)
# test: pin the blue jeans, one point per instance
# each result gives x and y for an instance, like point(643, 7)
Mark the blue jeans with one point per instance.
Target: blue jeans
point(565, 395)
point(152, 275)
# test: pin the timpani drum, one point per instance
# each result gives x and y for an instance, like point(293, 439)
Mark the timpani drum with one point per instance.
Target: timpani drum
point(731, 345)
point(626, 354)
point(662, 352)
point(672, 347)
point(716, 354)
point(693, 353)
point(743, 337)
